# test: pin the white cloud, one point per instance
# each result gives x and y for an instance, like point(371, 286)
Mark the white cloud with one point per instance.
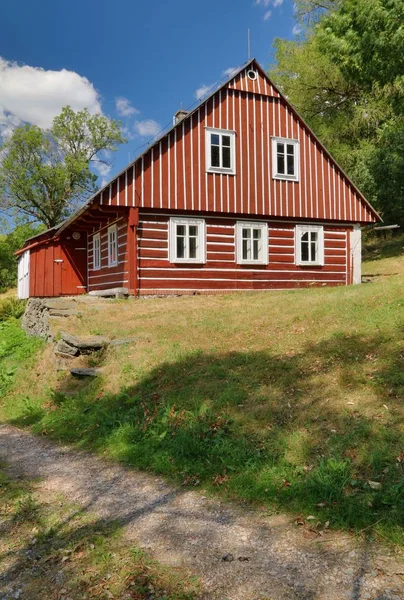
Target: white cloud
point(228, 72)
point(200, 92)
point(297, 29)
point(103, 170)
point(266, 4)
point(124, 107)
point(35, 95)
point(147, 128)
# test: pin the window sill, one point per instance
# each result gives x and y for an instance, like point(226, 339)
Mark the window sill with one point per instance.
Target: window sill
point(221, 171)
point(249, 263)
point(115, 264)
point(198, 261)
point(309, 264)
point(286, 178)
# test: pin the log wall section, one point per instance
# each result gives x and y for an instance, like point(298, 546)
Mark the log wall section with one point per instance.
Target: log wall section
point(222, 273)
point(109, 277)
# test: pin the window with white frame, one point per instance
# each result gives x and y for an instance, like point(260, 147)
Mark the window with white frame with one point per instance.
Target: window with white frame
point(252, 243)
point(285, 159)
point(112, 246)
point(309, 245)
point(97, 252)
point(220, 151)
point(187, 240)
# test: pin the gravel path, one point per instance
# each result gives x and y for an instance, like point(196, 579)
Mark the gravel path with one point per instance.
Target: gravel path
point(273, 559)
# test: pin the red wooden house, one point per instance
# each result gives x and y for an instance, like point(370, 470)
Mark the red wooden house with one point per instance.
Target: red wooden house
point(238, 195)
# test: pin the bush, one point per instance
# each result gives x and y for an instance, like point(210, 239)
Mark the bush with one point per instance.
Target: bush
point(11, 308)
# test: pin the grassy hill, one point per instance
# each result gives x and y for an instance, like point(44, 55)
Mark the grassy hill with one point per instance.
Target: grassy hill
point(292, 400)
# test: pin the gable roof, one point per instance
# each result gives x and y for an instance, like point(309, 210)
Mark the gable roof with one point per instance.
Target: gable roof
point(250, 64)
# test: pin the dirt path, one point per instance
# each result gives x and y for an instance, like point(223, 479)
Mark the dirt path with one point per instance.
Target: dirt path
point(184, 528)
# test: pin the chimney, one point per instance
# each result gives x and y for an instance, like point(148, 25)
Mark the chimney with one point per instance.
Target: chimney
point(179, 115)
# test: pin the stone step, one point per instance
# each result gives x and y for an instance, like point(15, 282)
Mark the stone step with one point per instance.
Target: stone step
point(90, 372)
point(88, 344)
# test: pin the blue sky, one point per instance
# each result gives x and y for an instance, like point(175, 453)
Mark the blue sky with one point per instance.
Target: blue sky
point(137, 61)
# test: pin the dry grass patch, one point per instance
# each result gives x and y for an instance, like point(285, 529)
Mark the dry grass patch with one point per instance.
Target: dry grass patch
point(290, 399)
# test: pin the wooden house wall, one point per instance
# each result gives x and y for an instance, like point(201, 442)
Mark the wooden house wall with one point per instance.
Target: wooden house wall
point(222, 273)
point(172, 174)
point(109, 277)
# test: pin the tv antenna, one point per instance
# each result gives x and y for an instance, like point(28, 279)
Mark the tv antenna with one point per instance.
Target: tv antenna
point(248, 44)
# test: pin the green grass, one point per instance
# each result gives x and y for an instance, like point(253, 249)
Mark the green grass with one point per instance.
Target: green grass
point(48, 547)
point(17, 352)
point(290, 400)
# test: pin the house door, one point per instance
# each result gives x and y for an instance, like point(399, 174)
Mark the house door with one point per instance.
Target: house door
point(73, 266)
point(23, 276)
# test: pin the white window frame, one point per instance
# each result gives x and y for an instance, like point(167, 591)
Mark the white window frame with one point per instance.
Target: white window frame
point(300, 231)
point(111, 262)
point(209, 131)
point(201, 257)
point(97, 252)
point(263, 259)
point(296, 145)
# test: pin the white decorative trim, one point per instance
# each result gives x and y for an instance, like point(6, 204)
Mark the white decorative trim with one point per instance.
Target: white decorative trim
point(97, 252)
point(112, 231)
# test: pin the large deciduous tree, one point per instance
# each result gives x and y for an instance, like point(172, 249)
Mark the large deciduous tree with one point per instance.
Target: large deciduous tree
point(45, 174)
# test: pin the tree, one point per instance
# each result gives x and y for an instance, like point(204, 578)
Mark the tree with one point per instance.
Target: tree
point(311, 11)
point(45, 174)
point(355, 110)
point(365, 38)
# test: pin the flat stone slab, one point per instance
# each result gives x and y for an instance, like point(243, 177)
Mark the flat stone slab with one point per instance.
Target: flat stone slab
point(90, 372)
point(66, 349)
point(94, 343)
point(63, 312)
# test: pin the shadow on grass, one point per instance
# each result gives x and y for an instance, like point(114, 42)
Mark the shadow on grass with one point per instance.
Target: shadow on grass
point(380, 248)
point(74, 553)
point(271, 429)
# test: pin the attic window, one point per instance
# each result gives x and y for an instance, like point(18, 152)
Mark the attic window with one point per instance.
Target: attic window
point(252, 75)
point(220, 151)
point(285, 159)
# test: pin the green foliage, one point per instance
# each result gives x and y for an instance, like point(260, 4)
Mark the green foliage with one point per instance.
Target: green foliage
point(365, 39)
point(44, 174)
point(9, 243)
point(345, 78)
point(11, 308)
